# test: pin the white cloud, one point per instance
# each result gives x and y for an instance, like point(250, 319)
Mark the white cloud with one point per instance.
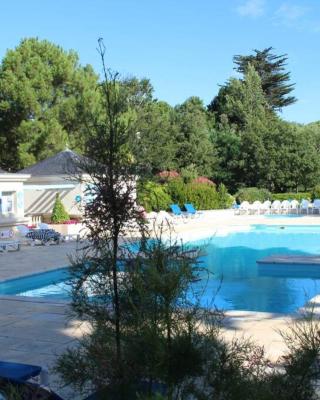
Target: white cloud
point(290, 14)
point(252, 8)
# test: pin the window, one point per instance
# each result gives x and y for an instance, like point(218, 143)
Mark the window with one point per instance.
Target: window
point(7, 202)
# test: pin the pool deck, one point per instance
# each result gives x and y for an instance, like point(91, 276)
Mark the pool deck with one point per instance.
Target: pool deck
point(290, 259)
point(32, 260)
point(35, 330)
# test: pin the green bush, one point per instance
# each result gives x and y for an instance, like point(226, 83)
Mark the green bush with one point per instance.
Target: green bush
point(202, 196)
point(225, 200)
point(156, 197)
point(316, 192)
point(252, 194)
point(292, 196)
point(177, 190)
point(59, 214)
point(153, 196)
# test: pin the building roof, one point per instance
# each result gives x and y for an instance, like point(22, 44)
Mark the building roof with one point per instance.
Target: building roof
point(64, 163)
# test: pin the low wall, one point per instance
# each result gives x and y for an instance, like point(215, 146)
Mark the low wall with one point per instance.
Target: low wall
point(70, 229)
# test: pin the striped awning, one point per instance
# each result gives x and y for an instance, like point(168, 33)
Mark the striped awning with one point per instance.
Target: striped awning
point(60, 186)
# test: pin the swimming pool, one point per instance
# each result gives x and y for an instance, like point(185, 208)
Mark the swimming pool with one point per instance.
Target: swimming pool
point(237, 281)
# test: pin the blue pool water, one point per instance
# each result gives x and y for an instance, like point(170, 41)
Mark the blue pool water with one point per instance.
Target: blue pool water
point(236, 280)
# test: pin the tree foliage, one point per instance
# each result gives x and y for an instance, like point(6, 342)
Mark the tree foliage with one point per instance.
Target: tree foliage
point(44, 95)
point(193, 145)
point(47, 99)
point(274, 80)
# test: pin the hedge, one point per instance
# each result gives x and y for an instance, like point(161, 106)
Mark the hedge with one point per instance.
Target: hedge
point(155, 197)
point(292, 196)
point(252, 194)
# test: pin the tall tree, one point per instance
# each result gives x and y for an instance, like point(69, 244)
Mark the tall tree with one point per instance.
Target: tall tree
point(242, 119)
point(271, 69)
point(154, 146)
point(194, 146)
point(240, 103)
point(44, 96)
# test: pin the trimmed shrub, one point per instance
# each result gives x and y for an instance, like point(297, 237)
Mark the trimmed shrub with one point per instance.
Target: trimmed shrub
point(177, 190)
point(252, 194)
point(315, 192)
point(202, 196)
point(292, 196)
point(153, 196)
point(225, 200)
point(59, 214)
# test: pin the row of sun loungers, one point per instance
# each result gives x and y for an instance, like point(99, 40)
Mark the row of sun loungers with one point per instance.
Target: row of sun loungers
point(279, 207)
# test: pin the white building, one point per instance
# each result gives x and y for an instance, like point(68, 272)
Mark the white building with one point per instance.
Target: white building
point(57, 174)
point(12, 199)
point(49, 177)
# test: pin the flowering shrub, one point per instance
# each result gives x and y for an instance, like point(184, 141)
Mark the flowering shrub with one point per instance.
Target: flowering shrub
point(203, 179)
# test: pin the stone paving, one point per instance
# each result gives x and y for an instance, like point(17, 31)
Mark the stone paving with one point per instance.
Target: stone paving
point(31, 260)
point(35, 331)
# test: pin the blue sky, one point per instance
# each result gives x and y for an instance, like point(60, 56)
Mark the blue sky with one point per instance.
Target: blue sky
point(184, 47)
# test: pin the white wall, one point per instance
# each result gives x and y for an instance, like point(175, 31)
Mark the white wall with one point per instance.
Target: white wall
point(39, 201)
point(13, 183)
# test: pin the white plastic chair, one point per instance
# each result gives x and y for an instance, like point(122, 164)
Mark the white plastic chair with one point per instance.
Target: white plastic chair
point(265, 207)
point(23, 230)
point(316, 205)
point(244, 207)
point(294, 206)
point(256, 207)
point(304, 206)
point(285, 206)
point(7, 241)
point(275, 207)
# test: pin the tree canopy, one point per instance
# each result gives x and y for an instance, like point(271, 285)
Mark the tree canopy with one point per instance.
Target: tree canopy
point(44, 94)
point(47, 99)
point(271, 69)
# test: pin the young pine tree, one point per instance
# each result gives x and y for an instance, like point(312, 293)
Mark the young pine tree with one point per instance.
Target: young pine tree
point(59, 214)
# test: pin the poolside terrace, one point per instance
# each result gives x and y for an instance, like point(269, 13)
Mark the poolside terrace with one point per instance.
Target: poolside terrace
point(37, 330)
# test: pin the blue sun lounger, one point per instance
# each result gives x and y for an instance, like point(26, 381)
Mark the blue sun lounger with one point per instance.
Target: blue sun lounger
point(176, 210)
point(191, 210)
point(20, 372)
point(21, 376)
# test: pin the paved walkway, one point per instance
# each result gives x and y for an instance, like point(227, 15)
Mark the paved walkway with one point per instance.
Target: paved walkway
point(31, 260)
point(36, 331)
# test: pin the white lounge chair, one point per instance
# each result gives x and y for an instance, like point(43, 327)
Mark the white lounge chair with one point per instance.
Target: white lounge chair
point(285, 206)
point(22, 232)
point(294, 206)
point(316, 206)
point(244, 207)
point(7, 241)
point(275, 207)
point(7, 245)
point(265, 207)
point(256, 207)
point(304, 206)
